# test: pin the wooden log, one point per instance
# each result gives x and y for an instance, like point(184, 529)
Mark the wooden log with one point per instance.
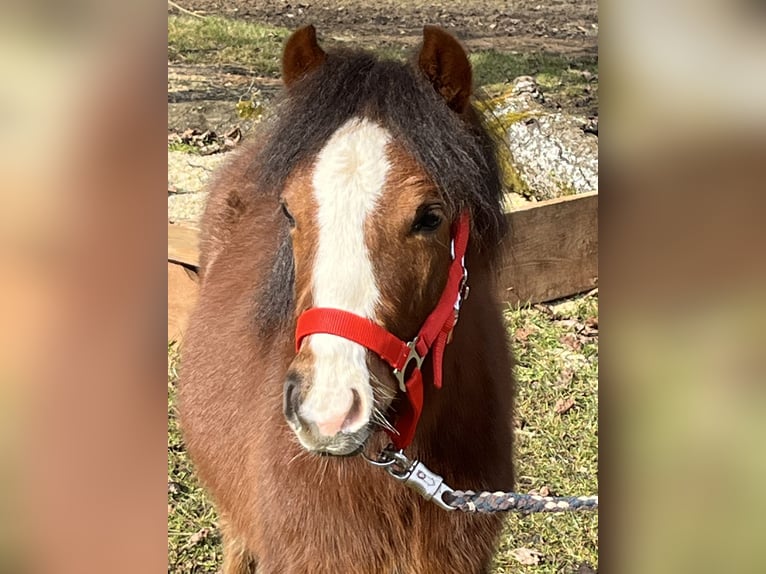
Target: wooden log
point(551, 251)
point(182, 244)
point(183, 289)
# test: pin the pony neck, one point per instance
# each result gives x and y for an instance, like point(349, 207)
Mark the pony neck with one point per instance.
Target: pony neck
point(465, 359)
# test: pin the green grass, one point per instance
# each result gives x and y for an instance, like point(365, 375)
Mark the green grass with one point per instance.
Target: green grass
point(554, 360)
point(221, 41)
point(194, 543)
point(553, 72)
point(559, 451)
point(183, 147)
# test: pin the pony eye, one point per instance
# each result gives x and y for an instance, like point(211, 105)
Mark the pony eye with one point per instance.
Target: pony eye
point(429, 220)
point(288, 215)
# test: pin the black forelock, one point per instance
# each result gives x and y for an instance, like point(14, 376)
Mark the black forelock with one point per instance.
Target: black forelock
point(457, 152)
point(458, 155)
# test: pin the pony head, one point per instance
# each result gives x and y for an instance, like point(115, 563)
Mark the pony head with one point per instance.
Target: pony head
point(390, 154)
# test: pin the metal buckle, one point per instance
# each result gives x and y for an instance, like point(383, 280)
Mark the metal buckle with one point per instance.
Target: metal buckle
point(462, 295)
point(412, 356)
point(413, 474)
point(463, 290)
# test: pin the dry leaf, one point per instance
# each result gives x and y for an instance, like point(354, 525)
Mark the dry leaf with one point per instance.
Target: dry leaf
point(563, 405)
point(543, 491)
point(571, 341)
point(199, 536)
point(590, 329)
point(527, 556)
point(565, 377)
point(234, 134)
point(544, 309)
point(522, 333)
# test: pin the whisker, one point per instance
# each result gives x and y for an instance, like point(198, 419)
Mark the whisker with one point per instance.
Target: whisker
point(381, 398)
point(293, 459)
point(324, 465)
point(380, 419)
point(301, 453)
point(380, 391)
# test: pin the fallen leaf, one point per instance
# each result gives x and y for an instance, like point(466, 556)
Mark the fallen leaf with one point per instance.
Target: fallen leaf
point(565, 377)
point(232, 138)
point(590, 329)
point(542, 491)
point(543, 309)
point(210, 149)
point(527, 556)
point(199, 536)
point(571, 341)
point(522, 333)
point(563, 405)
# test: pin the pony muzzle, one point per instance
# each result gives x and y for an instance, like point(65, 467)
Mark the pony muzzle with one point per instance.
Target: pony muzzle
point(327, 421)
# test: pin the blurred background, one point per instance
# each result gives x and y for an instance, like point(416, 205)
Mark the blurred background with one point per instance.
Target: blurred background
point(85, 104)
point(536, 78)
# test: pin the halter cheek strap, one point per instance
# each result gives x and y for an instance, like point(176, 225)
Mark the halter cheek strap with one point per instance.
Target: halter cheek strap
point(403, 357)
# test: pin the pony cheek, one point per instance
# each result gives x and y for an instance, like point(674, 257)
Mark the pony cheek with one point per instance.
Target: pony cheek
point(303, 299)
point(382, 382)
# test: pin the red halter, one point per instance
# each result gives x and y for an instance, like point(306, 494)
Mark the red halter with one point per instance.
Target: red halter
point(435, 333)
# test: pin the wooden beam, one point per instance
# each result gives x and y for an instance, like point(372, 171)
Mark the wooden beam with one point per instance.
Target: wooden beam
point(182, 244)
point(183, 289)
point(551, 251)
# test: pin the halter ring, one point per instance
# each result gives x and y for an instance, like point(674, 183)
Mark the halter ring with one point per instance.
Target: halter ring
point(413, 356)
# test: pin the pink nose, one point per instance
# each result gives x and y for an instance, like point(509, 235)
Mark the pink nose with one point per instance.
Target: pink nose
point(331, 426)
point(349, 421)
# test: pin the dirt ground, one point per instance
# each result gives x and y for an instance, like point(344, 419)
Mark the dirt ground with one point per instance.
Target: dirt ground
point(560, 26)
point(201, 96)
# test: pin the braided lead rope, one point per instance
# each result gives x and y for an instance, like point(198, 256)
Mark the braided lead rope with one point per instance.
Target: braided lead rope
point(431, 486)
point(486, 502)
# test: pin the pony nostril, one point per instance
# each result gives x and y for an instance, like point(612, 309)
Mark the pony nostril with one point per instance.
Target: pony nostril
point(354, 412)
point(292, 397)
point(348, 421)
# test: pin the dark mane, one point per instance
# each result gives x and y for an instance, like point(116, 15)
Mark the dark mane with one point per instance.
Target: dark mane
point(458, 152)
point(460, 156)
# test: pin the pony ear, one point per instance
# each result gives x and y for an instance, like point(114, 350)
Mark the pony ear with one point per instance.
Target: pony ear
point(302, 55)
point(444, 62)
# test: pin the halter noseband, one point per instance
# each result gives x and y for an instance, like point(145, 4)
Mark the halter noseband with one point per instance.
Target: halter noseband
point(434, 334)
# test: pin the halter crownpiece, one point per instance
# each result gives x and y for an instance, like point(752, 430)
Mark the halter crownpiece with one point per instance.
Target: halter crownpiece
point(434, 335)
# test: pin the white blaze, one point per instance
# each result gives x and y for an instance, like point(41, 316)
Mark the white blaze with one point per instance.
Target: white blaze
point(348, 180)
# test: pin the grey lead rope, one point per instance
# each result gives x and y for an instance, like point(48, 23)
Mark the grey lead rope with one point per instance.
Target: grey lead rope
point(470, 501)
point(431, 486)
